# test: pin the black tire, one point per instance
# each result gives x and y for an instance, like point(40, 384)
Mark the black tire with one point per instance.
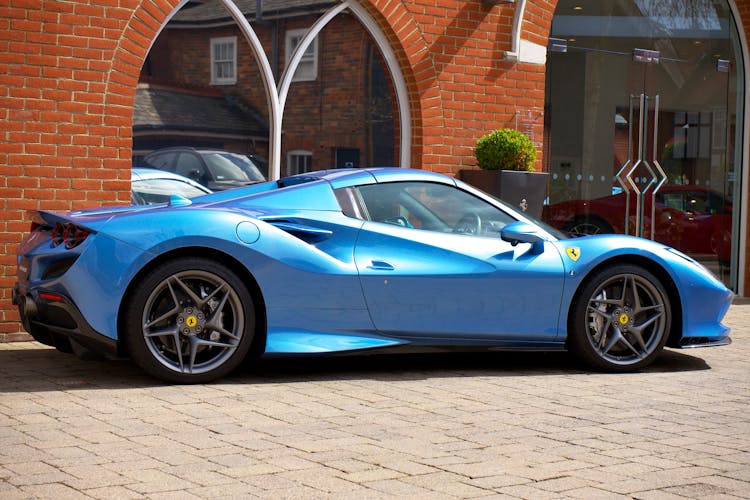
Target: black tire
point(620, 319)
point(587, 224)
point(190, 320)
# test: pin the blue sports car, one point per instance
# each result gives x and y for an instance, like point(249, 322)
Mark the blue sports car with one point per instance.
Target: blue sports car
point(351, 260)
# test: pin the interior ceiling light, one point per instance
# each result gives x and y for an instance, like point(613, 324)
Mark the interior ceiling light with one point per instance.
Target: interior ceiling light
point(577, 7)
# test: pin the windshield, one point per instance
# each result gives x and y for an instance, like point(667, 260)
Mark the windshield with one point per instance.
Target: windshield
point(224, 169)
point(150, 191)
point(558, 234)
point(228, 164)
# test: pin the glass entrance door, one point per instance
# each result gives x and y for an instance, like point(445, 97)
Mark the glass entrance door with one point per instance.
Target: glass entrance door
point(640, 107)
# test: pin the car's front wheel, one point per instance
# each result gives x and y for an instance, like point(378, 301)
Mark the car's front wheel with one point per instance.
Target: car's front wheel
point(190, 320)
point(620, 320)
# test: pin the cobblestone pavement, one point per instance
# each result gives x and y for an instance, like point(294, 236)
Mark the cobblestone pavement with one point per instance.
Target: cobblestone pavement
point(424, 426)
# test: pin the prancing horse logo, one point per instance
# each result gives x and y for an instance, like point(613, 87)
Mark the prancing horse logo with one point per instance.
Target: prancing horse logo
point(573, 252)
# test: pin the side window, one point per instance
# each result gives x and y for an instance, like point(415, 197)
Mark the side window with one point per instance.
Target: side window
point(697, 203)
point(672, 200)
point(224, 61)
point(298, 162)
point(432, 207)
point(307, 70)
point(161, 161)
point(190, 166)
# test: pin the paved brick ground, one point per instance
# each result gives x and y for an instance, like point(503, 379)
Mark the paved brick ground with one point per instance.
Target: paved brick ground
point(480, 425)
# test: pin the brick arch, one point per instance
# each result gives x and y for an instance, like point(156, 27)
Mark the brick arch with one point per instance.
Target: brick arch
point(461, 85)
point(535, 20)
point(403, 34)
point(135, 42)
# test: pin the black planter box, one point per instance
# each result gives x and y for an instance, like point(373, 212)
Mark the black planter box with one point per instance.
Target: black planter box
point(524, 190)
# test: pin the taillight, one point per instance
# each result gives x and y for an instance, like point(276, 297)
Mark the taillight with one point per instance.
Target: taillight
point(68, 234)
point(57, 235)
point(37, 221)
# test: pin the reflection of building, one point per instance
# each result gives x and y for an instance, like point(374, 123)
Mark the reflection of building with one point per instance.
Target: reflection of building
point(165, 116)
point(644, 101)
point(339, 111)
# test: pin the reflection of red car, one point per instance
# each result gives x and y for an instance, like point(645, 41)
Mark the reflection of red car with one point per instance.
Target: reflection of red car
point(692, 219)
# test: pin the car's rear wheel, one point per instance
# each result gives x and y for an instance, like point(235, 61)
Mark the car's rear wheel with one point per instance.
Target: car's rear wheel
point(620, 320)
point(190, 320)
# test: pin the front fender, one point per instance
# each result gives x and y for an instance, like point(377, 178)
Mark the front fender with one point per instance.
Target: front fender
point(703, 299)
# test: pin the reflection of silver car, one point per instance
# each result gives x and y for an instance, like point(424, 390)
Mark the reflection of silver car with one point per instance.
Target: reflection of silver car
point(215, 169)
point(149, 186)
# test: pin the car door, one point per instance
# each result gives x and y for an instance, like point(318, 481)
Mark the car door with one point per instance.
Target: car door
point(434, 269)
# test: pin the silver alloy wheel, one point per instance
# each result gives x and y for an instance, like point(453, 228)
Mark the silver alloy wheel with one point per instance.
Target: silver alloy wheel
point(192, 322)
point(626, 319)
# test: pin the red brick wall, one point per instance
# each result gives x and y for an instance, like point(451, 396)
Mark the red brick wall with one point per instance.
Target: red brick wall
point(68, 72)
point(461, 88)
point(335, 97)
point(65, 137)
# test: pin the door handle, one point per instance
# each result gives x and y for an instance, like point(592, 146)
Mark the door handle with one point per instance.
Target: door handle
point(379, 265)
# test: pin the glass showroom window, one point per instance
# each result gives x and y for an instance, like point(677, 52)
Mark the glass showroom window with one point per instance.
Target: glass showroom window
point(224, 61)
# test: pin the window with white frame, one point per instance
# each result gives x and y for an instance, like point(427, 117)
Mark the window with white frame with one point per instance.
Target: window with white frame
point(307, 70)
point(298, 162)
point(224, 60)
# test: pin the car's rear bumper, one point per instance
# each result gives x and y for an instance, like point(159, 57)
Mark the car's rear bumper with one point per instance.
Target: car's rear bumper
point(52, 319)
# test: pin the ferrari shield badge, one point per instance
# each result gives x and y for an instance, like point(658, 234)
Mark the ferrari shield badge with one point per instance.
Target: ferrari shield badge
point(573, 252)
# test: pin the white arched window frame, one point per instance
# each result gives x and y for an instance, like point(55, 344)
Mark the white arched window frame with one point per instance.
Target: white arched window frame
point(277, 93)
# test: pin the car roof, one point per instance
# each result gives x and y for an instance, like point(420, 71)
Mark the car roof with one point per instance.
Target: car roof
point(343, 177)
point(193, 149)
point(332, 179)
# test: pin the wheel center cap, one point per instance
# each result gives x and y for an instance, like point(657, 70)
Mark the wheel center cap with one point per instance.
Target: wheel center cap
point(191, 321)
point(624, 319)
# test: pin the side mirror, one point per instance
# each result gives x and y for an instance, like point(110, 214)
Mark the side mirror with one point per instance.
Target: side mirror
point(521, 232)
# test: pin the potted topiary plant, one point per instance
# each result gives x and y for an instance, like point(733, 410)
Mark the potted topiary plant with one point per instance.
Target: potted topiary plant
point(506, 160)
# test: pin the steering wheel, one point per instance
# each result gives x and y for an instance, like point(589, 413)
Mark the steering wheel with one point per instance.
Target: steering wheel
point(470, 223)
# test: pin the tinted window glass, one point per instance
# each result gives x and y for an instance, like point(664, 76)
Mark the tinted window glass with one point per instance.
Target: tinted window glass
point(232, 166)
point(149, 191)
point(162, 161)
point(190, 166)
point(432, 207)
